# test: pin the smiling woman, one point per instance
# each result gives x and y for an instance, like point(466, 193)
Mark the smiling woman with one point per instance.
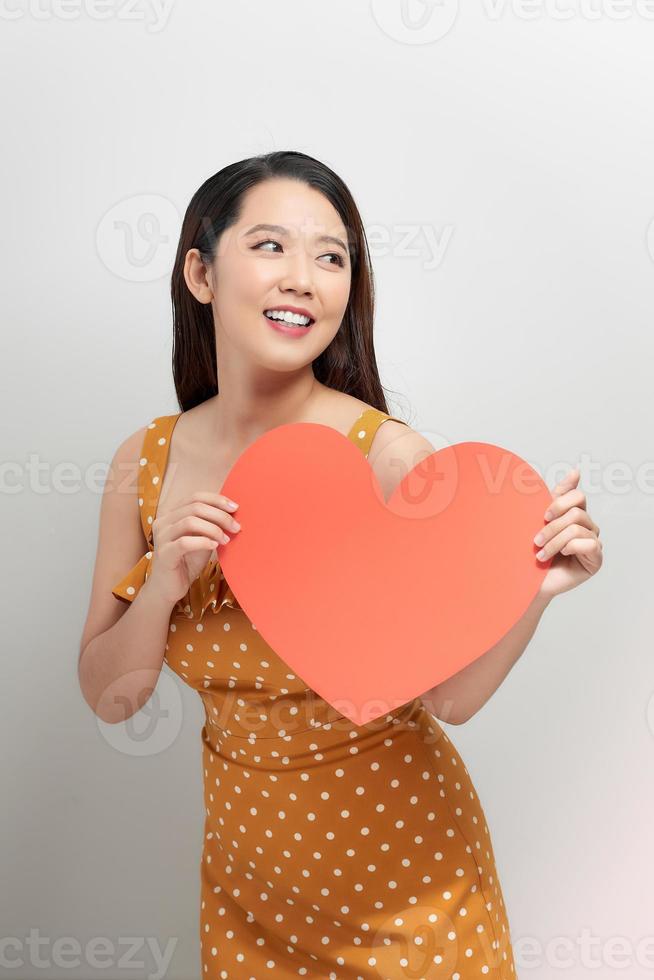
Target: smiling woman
point(314, 259)
point(328, 846)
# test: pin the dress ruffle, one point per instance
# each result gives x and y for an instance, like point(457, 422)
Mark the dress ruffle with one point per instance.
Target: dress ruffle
point(210, 589)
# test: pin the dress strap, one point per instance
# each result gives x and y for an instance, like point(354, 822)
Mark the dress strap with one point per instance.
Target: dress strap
point(154, 457)
point(365, 426)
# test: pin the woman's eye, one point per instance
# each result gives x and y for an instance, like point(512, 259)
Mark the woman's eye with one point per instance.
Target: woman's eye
point(268, 241)
point(271, 241)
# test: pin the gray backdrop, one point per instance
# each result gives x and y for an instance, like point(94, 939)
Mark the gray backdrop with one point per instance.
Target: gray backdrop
point(502, 156)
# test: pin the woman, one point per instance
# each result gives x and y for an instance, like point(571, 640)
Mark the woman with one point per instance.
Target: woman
point(330, 850)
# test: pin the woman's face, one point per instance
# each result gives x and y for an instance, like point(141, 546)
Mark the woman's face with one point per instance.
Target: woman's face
point(304, 263)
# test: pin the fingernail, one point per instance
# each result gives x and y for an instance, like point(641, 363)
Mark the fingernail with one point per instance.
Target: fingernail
point(540, 537)
point(540, 555)
point(232, 504)
point(548, 515)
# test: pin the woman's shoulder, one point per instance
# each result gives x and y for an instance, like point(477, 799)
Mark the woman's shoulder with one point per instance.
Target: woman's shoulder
point(393, 427)
point(148, 440)
point(396, 447)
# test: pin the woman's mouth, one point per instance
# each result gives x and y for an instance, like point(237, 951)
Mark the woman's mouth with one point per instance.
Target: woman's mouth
point(291, 324)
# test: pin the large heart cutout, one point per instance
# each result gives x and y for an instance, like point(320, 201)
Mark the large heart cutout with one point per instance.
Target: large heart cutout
point(372, 603)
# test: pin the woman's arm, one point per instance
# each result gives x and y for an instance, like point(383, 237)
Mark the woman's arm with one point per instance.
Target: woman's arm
point(123, 644)
point(458, 698)
point(118, 669)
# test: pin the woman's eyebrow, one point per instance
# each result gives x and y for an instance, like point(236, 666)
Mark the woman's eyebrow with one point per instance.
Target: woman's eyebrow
point(280, 230)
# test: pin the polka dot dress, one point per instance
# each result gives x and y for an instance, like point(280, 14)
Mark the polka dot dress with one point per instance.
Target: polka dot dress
point(331, 850)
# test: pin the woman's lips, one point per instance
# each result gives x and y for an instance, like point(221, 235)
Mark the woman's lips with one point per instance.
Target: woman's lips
point(291, 329)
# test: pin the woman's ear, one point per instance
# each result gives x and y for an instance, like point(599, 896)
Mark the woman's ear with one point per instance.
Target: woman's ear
point(196, 277)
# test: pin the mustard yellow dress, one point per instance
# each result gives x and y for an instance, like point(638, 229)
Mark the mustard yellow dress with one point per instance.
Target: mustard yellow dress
point(331, 850)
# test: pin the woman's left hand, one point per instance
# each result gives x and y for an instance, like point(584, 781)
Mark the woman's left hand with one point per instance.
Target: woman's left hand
point(571, 537)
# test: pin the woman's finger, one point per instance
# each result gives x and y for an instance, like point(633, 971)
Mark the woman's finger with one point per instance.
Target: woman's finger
point(568, 499)
point(570, 480)
point(589, 547)
point(576, 515)
point(559, 541)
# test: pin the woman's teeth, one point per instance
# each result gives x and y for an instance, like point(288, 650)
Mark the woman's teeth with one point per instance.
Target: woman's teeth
point(287, 317)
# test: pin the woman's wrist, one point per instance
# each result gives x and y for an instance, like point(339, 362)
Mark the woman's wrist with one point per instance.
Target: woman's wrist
point(157, 603)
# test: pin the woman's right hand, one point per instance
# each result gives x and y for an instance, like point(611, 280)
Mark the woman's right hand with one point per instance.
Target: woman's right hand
point(184, 540)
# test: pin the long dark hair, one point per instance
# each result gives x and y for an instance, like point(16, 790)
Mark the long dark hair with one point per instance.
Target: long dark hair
point(348, 364)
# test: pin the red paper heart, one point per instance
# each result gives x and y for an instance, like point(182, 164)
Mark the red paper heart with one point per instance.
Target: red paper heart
point(372, 604)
